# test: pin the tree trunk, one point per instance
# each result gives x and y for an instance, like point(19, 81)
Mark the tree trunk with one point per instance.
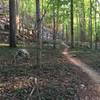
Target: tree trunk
point(72, 32)
point(67, 34)
point(78, 28)
point(43, 11)
point(57, 26)
point(96, 35)
point(63, 31)
point(17, 7)
point(54, 27)
point(63, 27)
point(12, 12)
point(90, 24)
point(82, 22)
point(38, 27)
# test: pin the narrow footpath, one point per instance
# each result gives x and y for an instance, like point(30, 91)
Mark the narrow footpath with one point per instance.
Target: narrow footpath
point(95, 76)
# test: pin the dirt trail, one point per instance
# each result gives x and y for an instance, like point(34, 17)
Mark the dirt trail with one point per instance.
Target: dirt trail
point(92, 73)
point(95, 76)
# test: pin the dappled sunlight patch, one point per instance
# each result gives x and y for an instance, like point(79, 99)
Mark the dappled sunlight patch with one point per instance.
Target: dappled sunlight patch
point(64, 53)
point(4, 45)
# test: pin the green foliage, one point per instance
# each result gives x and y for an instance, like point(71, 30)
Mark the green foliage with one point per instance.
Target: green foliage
point(27, 9)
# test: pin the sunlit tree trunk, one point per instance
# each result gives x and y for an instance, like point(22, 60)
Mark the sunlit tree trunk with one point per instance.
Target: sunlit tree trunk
point(12, 14)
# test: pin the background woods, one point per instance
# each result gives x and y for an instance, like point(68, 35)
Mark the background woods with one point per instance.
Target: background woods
point(77, 22)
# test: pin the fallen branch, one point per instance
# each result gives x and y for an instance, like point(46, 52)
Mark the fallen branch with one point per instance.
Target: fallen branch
point(31, 93)
point(36, 84)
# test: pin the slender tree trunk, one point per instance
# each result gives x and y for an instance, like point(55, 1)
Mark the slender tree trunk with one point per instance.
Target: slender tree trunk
point(67, 34)
point(17, 7)
point(63, 31)
point(54, 27)
point(79, 31)
point(82, 22)
point(96, 35)
point(63, 27)
point(78, 27)
point(42, 4)
point(12, 12)
point(38, 25)
point(57, 17)
point(90, 24)
point(72, 31)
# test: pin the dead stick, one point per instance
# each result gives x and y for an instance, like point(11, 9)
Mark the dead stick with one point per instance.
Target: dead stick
point(31, 94)
point(36, 82)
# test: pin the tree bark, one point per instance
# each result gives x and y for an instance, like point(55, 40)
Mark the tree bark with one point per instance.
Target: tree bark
point(90, 24)
point(38, 27)
point(12, 15)
point(54, 28)
point(72, 32)
point(82, 22)
point(96, 35)
point(17, 7)
point(67, 38)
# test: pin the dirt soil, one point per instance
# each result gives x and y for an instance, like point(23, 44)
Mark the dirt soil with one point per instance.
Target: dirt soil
point(58, 79)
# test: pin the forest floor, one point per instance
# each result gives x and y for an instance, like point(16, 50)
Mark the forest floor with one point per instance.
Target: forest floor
point(63, 75)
